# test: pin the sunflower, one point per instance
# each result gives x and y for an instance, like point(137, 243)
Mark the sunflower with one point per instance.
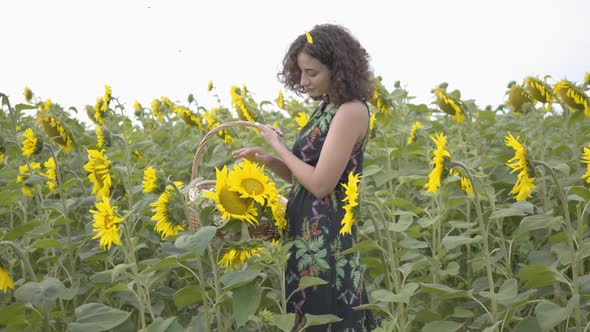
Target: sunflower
point(417, 125)
point(521, 163)
point(278, 210)
point(280, 100)
point(51, 173)
point(137, 107)
point(45, 106)
point(378, 99)
point(5, 280)
point(237, 102)
point(539, 91)
point(586, 160)
point(210, 85)
point(448, 104)
point(168, 212)
point(31, 144)
point(54, 129)
point(98, 168)
point(372, 126)
point(152, 183)
point(465, 183)
point(519, 99)
point(301, 120)
point(137, 155)
point(24, 171)
point(103, 137)
point(107, 98)
point(2, 149)
point(248, 179)
point(573, 96)
point(238, 256)
point(28, 94)
point(229, 202)
point(441, 156)
point(106, 224)
point(587, 78)
point(156, 110)
point(190, 118)
point(351, 191)
point(211, 122)
point(96, 114)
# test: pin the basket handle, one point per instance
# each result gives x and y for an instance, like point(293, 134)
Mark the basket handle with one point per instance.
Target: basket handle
point(210, 134)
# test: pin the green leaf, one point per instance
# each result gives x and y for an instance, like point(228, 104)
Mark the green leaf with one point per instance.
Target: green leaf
point(97, 317)
point(162, 264)
point(536, 275)
point(197, 242)
point(362, 247)
point(441, 325)
point(453, 241)
point(315, 320)
point(371, 170)
point(539, 221)
point(20, 107)
point(403, 296)
point(246, 300)
point(235, 279)
point(187, 296)
point(580, 191)
point(550, 314)
point(410, 243)
point(19, 230)
point(529, 324)
point(170, 324)
point(284, 322)
point(306, 282)
point(46, 243)
point(405, 205)
point(509, 212)
point(443, 292)
point(12, 314)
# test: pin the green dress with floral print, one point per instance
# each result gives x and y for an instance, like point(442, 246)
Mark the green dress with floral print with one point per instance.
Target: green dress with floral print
point(313, 226)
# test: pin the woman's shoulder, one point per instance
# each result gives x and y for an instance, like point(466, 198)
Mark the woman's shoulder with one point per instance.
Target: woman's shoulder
point(355, 109)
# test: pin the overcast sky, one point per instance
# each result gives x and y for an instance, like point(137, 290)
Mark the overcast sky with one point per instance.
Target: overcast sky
point(68, 50)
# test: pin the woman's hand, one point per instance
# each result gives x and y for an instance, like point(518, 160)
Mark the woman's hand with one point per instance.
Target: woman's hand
point(273, 136)
point(255, 154)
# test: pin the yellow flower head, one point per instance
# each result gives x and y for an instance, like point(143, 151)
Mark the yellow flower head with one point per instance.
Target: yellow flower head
point(106, 224)
point(169, 212)
point(137, 106)
point(51, 173)
point(586, 160)
point(278, 209)
point(211, 122)
point(28, 94)
point(2, 149)
point(441, 156)
point(5, 280)
point(25, 171)
point(103, 137)
point(238, 256)
point(539, 91)
point(156, 110)
point(519, 99)
point(210, 86)
point(587, 78)
point(137, 155)
point(280, 100)
point(465, 183)
point(45, 106)
point(248, 179)
point(229, 202)
point(54, 129)
point(190, 118)
point(378, 99)
point(31, 144)
point(520, 162)
point(571, 95)
point(237, 102)
point(98, 113)
point(107, 98)
point(372, 125)
point(351, 191)
point(98, 168)
point(417, 125)
point(301, 120)
point(448, 105)
point(152, 183)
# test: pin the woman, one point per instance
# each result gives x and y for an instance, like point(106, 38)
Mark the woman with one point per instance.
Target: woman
point(329, 65)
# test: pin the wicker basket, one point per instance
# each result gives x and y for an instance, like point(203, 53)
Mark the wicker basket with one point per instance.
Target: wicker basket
point(265, 230)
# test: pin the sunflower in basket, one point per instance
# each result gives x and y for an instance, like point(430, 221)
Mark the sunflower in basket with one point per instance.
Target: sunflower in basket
point(245, 193)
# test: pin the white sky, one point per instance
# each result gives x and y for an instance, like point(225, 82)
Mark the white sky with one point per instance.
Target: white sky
point(145, 49)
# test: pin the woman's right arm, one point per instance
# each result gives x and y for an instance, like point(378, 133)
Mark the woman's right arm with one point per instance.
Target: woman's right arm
point(273, 163)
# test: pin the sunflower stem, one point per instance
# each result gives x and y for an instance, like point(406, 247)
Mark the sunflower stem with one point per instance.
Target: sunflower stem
point(28, 268)
point(484, 231)
point(570, 241)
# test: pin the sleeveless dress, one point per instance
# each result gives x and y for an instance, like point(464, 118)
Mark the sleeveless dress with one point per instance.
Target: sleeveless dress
point(313, 226)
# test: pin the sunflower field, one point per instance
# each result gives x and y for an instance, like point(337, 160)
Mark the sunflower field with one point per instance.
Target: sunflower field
point(468, 219)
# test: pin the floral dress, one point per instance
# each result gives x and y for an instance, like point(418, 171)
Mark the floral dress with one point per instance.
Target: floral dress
point(313, 226)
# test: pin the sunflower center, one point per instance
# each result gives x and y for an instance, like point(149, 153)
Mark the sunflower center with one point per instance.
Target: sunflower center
point(232, 202)
point(252, 186)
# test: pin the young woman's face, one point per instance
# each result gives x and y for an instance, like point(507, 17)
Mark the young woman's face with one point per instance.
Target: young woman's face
point(315, 76)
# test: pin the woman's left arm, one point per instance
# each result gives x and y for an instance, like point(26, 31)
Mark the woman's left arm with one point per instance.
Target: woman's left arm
point(349, 126)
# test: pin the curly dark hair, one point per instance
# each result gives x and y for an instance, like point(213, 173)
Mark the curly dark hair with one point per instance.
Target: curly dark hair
point(335, 47)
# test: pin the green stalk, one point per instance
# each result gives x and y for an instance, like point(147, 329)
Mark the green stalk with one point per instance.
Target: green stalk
point(570, 241)
point(484, 231)
point(28, 268)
